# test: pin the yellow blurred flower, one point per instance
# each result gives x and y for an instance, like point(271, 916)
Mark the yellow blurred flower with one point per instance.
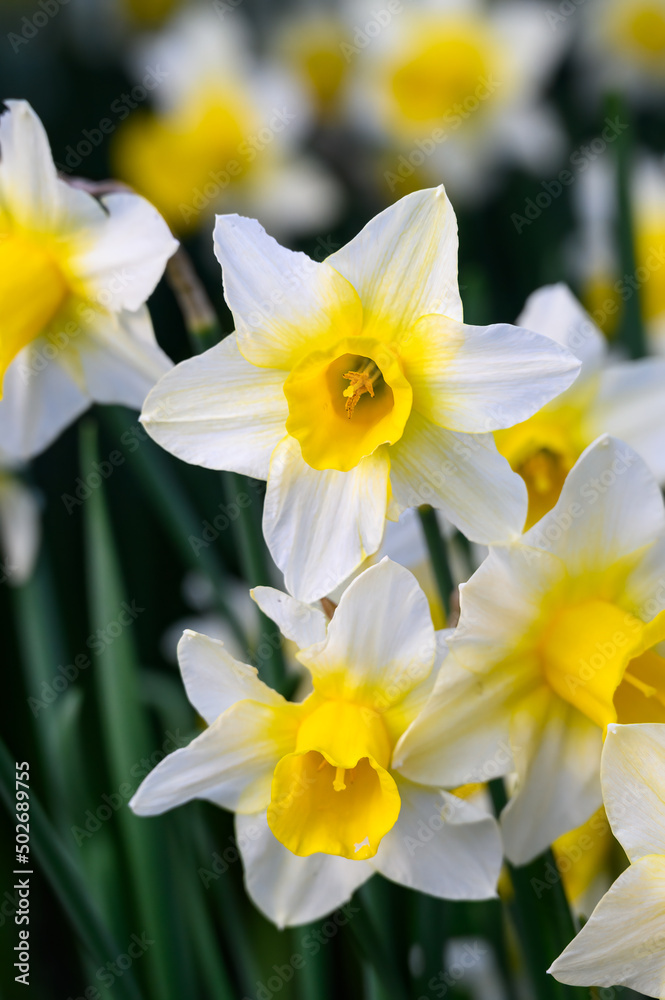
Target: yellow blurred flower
point(223, 133)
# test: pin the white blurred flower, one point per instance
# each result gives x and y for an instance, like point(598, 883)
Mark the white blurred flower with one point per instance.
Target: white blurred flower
point(20, 528)
point(224, 133)
point(622, 43)
point(594, 254)
point(454, 87)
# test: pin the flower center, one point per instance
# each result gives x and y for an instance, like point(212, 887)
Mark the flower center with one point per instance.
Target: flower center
point(446, 70)
point(543, 450)
point(362, 381)
point(644, 28)
point(174, 159)
point(594, 651)
point(347, 402)
point(334, 795)
point(32, 290)
point(544, 473)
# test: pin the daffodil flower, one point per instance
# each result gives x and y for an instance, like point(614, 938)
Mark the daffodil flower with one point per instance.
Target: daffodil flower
point(221, 132)
point(625, 399)
point(558, 637)
point(356, 390)
point(456, 90)
point(623, 46)
point(75, 273)
point(623, 944)
point(319, 805)
point(605, 288)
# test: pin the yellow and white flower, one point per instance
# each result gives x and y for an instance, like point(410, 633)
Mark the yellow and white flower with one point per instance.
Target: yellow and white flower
point(624, 398)
point(455, 87)
point(623, 45)
point(356, 390)
point(319, 805)
point(75, 273)
point(558, 637)
point(623, 943)
point(596, 253)
point(223, 132)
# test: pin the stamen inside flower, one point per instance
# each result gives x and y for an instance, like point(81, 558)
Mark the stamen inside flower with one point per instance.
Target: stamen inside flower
point(361, 382)
point(346, 402)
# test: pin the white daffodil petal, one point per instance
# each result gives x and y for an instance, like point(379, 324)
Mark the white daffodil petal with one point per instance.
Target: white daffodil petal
point(630, 404)
point(441, 845)
point(20, 529)
point(371, 658)
point(554, 311)
point(403, 264)
point(300, 622)
point(644, 587)
point(320, 526)
point(121, 359)
point(462, 475)
point(622, 943)
point(610, 506)
point(483, 378)
point(231, 763)
point(634, 787)
point(501, 604)
point(121, 261)
point(557, 754)
point(28, 178)
point(291, 890)
point(218, 411)
point(284, 303)
point(214, 680)
point(40, 399)
point(462, 733)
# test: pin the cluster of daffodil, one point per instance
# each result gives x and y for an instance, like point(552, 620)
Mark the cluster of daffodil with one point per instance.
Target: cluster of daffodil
point(354, 388)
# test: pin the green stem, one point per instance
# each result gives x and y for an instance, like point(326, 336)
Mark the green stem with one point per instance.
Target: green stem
point(65, 880)
point(541, 914)
point(253, 558)
point(631, 330)
point(436, 546)
point(126, 740)
point(179, 518)
point(368, 930)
